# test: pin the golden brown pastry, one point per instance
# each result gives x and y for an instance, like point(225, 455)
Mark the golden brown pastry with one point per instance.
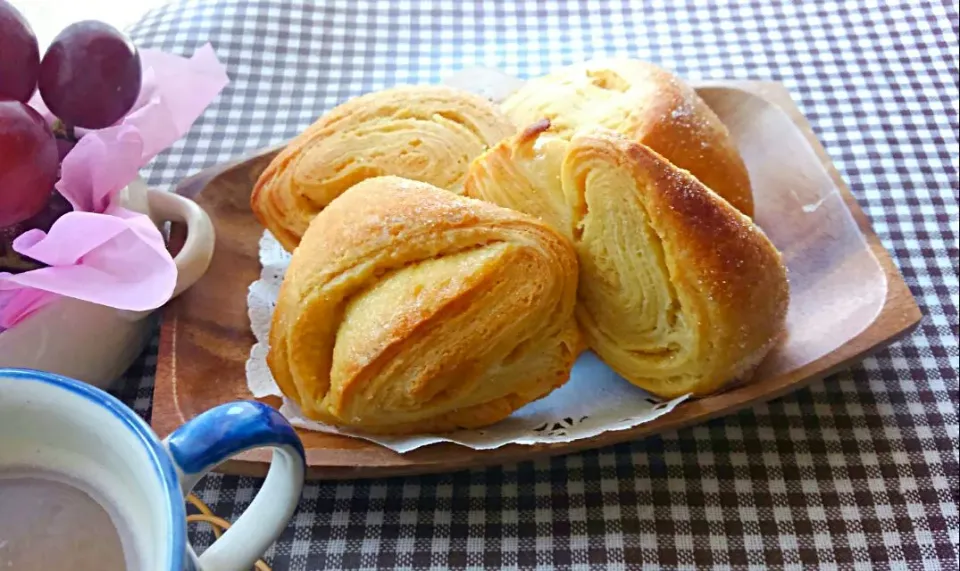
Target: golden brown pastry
point(425, 133)
point(647, 104)
point(407, 308)
point(679, 292)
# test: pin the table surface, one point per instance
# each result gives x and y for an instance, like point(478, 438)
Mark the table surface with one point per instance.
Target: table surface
point(859, 471)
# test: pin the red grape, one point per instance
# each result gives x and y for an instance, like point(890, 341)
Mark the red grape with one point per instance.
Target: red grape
point(64, 146)
point(28, 162)
point(90, 76)
point(19, 55)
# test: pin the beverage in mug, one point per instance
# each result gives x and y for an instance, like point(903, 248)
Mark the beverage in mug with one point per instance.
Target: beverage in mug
point(85, 484)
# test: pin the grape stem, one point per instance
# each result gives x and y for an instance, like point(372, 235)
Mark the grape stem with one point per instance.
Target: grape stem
point(64, 131)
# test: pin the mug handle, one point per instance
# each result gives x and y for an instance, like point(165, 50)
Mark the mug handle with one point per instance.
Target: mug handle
point(227, 430)
point(197, 251)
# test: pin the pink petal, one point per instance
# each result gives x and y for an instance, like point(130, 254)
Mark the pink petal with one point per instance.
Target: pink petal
point(109, 260)
point(100, 166)
point(167, 109)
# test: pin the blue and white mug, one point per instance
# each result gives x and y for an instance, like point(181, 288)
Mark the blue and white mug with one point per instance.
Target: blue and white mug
point(56, 424)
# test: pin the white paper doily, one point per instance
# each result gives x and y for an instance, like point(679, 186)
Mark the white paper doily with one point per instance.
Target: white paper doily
point(595, 399)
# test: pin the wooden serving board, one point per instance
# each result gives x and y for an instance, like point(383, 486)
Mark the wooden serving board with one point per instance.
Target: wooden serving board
point(847, 297)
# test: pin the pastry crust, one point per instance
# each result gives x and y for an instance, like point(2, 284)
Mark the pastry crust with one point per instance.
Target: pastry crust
point(647, 104)
point(679, 292)
point(408, 309)
point(426, 133)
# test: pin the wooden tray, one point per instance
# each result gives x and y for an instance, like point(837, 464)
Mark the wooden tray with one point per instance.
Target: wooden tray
point(858, 294)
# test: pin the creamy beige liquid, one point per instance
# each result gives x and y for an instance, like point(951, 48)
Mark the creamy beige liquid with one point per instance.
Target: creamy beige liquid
point(47, 523)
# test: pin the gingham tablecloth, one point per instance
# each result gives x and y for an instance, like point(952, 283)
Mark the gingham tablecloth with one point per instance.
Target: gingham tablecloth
point(859, 471)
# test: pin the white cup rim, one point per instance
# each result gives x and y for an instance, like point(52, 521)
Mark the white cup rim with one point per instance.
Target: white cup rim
point(160, 460)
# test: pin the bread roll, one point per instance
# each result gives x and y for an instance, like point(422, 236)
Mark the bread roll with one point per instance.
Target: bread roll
point(647, 104)
point(407, 308)
point(425, 133)
point(679, 292)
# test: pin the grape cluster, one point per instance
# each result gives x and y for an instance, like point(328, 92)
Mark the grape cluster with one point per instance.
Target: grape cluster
point(89, 78)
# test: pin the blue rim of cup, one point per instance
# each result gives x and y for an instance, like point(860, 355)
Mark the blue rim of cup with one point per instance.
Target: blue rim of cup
point(162, 466)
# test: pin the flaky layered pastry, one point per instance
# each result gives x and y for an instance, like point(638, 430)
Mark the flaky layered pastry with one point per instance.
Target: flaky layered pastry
point(425, 133)
point(647, 104)
point(679, 292)
point(407, 308)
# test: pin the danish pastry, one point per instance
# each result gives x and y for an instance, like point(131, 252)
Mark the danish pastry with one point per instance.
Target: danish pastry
point(407, 308)
point(679, 292)
point(425, 133)
point(647, 104)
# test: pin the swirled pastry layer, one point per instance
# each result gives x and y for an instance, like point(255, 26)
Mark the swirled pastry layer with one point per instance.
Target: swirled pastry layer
point(647, 104)
point(679, 292)
point(407, 308)
point(424, 133)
